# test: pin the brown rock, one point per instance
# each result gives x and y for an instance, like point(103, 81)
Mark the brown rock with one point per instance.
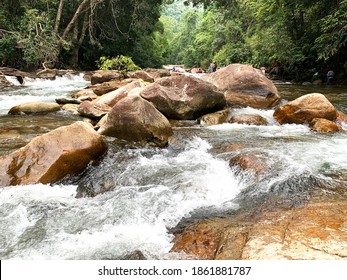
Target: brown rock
point(84, 93)
point(157, 73)
point(244, 86)
point(103, 104)
point(250, 162)
point(324, 126)
point(215, 118)
point(37, 108)
point(135, 119)
point(305, 109)
point(316, 231)
point(52, 156)
point(102, 76)
point(341, 117)
point(91, 110)
point(251, 119)
point(101, 89)
point(143, 75)
point(183, 97)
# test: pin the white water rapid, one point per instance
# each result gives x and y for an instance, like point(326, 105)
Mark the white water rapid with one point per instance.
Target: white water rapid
point(151, 190)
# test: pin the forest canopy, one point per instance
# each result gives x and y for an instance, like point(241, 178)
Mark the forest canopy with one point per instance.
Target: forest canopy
point(304, 35)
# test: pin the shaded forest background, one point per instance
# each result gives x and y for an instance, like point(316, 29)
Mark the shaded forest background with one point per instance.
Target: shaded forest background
point(306, 36)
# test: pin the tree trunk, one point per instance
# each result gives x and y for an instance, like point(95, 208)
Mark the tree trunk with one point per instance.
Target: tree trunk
point(78, 41)
point(58, 17)
point(74, 19)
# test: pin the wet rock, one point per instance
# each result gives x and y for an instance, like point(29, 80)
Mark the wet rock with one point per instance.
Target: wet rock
point(4, 82)
point(215, 118)
point(38, 108)
point(324, 126)
point(244, 86)
point(136, 255)
point(50, 157)
point(341, 117)
point(16, 73)
point(315, 231)
point(66, 100)
point(184, 97)
point(102, 76)
point(250, 162)
point(305, 108)
point(135, 119)
point(72, 108)
point(251, 119)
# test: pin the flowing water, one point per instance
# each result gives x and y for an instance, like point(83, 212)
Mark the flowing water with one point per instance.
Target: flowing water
point(151, 190)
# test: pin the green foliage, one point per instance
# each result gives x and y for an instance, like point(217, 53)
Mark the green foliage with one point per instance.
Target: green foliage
point(120, 62)
point(37, 40)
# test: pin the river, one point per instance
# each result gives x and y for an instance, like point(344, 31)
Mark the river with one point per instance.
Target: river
point(152, 190)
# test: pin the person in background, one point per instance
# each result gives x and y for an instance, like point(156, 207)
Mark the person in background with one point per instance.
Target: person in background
point(263, 70)
point(330, 77)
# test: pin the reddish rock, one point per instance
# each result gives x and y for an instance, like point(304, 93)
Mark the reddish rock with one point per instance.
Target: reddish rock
point(251, 162)
point(324, 126)
point(305, 108)
point(53, 156)
point(183, 97)
point(244, 86)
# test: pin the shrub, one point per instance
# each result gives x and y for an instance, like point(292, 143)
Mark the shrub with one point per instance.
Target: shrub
point(120, 62)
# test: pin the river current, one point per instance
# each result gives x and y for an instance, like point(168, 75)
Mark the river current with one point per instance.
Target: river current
point(152, 190)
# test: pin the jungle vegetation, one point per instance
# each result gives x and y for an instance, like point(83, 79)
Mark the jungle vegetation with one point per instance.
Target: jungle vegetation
point(305, 35)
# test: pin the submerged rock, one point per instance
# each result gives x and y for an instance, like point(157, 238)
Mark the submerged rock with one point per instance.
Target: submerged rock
point(251, 119)
point(184, 97)
point(244, 86)
point(250, 162)
point(135, 119)
point(305, 108)
point(50, 157)
point(38, 108)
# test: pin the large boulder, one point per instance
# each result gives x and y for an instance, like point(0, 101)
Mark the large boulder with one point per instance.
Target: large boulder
point(184, 97)
point(315, 231)
point(135, 119)
point(305, 108)
point(244, 86)
point(38, 108)
point(52, 156)
point(101, 106)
